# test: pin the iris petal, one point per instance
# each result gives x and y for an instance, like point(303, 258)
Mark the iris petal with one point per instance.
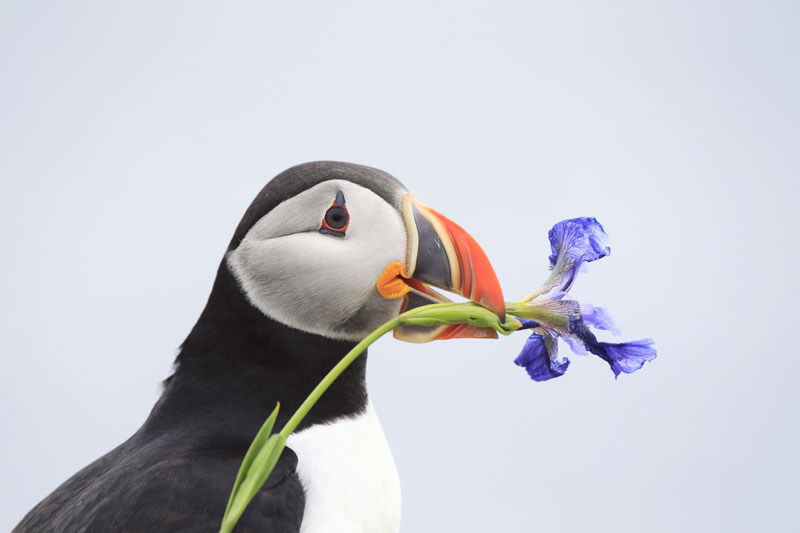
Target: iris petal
point(527, 323)
point(624, 357)
point(600, 318)
point(576, 346)
point(578, 238)
point(629, 356)
point(539, 356)
point(573, 242)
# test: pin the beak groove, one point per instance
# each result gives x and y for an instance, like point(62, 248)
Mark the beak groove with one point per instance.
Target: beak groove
point(476, 279)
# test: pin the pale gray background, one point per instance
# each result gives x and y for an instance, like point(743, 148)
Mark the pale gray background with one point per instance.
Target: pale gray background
point(133, 137)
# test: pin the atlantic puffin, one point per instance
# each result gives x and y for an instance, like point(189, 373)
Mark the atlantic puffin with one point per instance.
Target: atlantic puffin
point(325, 253)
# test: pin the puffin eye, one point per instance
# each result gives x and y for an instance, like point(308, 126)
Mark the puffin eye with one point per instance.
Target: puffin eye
point(336, 218)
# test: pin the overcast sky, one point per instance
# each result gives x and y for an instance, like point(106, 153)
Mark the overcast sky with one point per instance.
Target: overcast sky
point(132, 138)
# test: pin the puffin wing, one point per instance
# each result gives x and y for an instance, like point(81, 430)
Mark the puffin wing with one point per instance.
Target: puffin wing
point(176, 493)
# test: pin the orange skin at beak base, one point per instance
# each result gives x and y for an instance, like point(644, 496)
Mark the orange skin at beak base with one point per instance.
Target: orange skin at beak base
point(392, 281)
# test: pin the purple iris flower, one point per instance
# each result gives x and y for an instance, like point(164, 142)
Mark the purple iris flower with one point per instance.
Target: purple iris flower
point(551, 316)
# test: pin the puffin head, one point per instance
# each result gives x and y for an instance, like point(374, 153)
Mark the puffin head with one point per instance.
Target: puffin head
point(337, 249)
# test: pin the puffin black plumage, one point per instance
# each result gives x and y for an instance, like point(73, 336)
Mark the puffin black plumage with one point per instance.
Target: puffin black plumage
point(295, 291)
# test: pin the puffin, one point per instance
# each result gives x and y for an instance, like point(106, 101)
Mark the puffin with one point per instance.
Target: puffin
point(325, 253)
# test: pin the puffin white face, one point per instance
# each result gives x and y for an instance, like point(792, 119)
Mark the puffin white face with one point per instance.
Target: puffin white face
point(312, 262)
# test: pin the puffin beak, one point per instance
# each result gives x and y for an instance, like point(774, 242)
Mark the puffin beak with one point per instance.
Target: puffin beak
point(442, 255)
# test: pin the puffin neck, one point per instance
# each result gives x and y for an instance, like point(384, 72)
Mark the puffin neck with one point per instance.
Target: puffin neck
point(237, 364)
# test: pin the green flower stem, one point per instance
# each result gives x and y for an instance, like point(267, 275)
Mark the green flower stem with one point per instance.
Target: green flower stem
point(334, 373)
point(264, 452)
point(428, 315)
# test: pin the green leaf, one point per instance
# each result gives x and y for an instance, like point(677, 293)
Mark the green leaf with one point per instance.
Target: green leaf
point(255, 447)
point(257, 473)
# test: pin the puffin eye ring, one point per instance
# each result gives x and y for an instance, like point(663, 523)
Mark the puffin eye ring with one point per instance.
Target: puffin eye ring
point(336, 218)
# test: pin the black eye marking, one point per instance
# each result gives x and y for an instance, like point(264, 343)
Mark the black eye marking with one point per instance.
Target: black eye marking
point(336, 218)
